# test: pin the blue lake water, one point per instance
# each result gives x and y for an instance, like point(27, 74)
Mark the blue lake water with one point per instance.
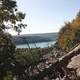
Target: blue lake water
point(38, 44)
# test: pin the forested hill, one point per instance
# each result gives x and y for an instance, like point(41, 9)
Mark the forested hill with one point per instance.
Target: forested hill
point(33, 38)
point(69, 35)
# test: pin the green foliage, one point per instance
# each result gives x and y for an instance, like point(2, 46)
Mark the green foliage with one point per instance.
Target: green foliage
point(8, 76)
point(7, 52)
point(69, 35)
point(9, 14)
point(10, 18)
point(28, 57)
point(77, 34)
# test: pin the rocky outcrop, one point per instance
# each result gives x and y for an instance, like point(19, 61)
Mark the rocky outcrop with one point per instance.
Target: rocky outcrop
point(58, 67)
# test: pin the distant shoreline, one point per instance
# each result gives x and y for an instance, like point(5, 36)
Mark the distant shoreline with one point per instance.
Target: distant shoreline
point(34, 38)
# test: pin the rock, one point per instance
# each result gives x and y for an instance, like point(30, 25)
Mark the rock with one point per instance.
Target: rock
point(75, 64)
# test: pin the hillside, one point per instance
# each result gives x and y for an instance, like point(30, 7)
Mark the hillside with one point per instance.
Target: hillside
point(33, 38)
point(69, 35)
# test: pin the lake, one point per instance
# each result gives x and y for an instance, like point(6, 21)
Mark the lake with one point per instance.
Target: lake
point(38, 44)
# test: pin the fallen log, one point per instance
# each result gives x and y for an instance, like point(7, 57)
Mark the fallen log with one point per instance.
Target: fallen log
point(57, 66)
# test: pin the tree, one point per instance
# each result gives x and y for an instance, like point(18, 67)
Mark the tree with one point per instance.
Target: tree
point(7, 51)
point(10, 18)
point(69, 35)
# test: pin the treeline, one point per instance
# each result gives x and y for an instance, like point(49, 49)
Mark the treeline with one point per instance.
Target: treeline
point(69, 35)
point(34, 38)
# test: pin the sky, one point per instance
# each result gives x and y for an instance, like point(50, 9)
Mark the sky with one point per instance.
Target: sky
point(45, 16)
